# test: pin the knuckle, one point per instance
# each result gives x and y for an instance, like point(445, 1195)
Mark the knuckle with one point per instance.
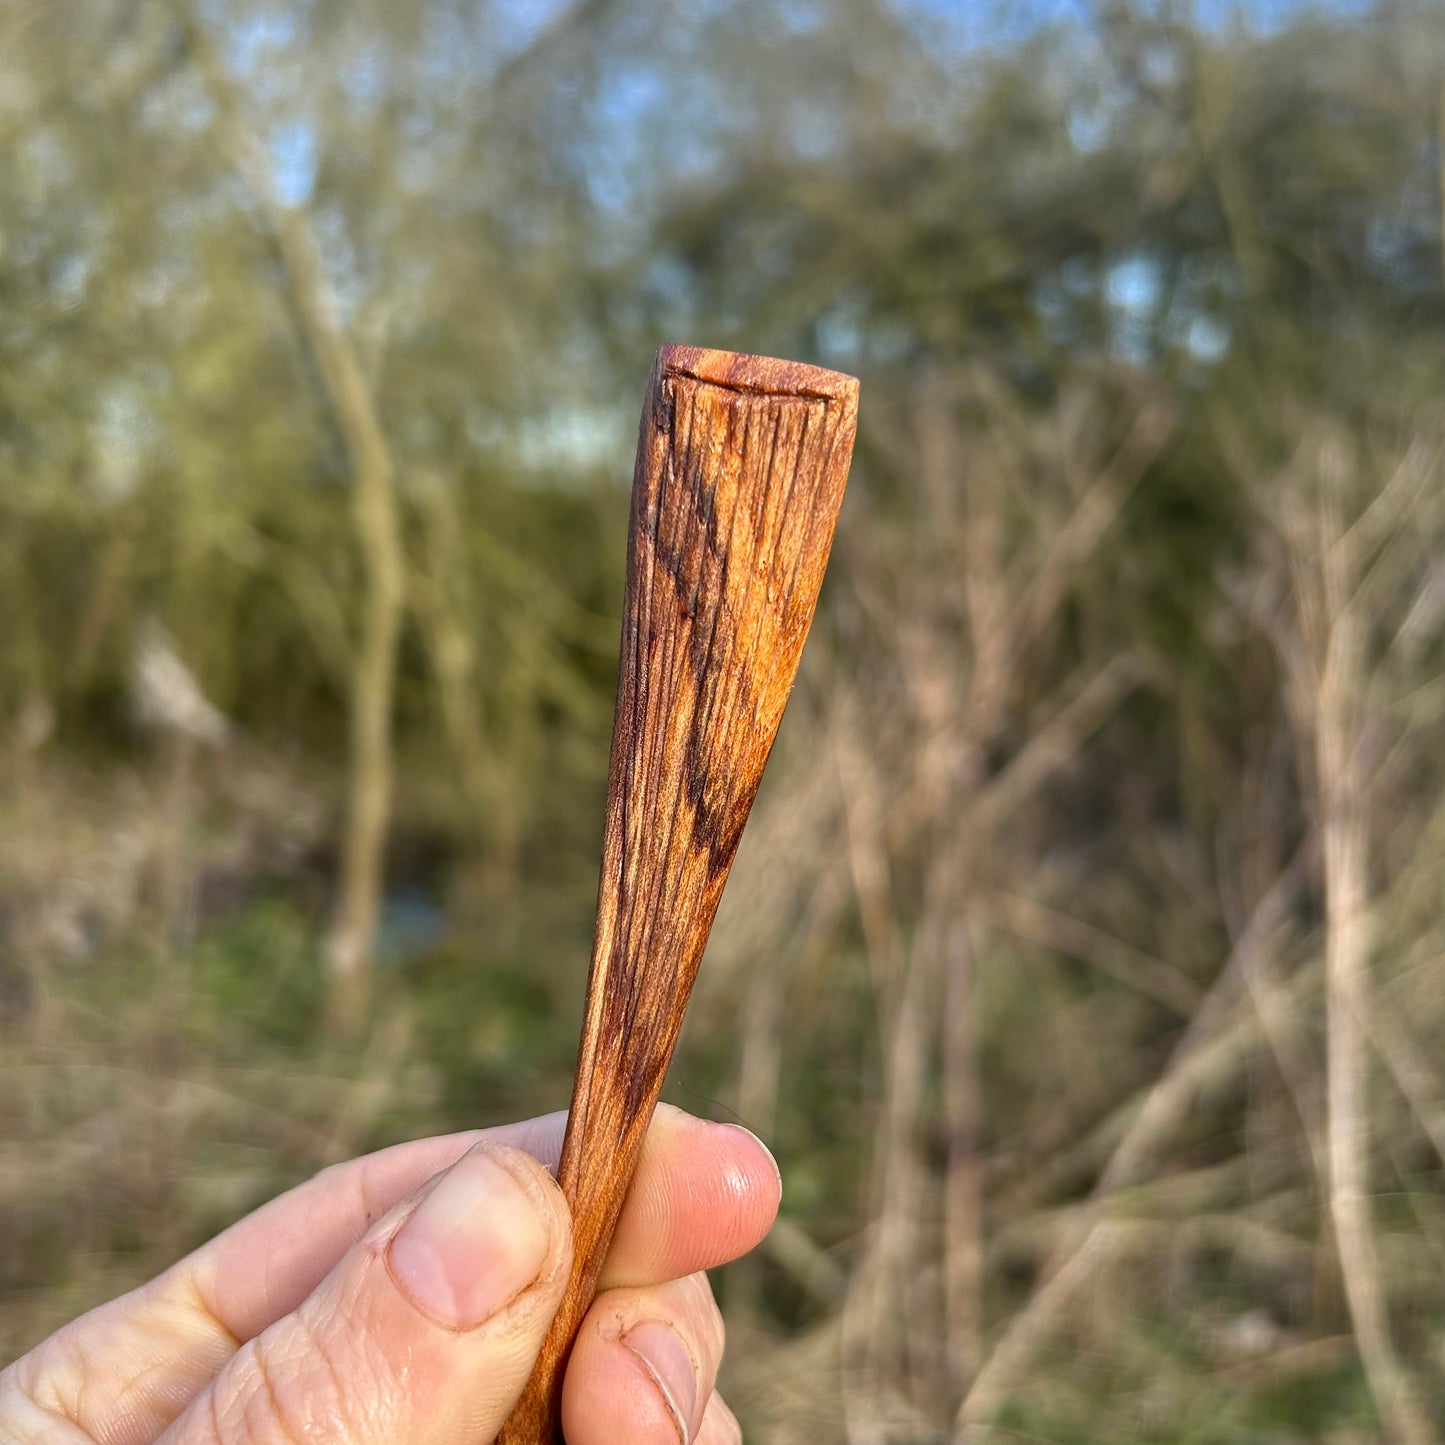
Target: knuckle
point(303, 1384)
point(30, 1411)
point(270, 1406)
point(51, 1386)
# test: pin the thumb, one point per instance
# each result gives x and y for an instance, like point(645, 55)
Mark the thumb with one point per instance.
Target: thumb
point(424, 1334)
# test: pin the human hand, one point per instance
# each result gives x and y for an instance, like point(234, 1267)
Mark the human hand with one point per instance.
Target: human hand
point(401, 1299)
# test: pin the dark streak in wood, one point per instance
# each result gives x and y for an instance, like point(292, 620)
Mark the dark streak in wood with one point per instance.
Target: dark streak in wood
point(741, 464)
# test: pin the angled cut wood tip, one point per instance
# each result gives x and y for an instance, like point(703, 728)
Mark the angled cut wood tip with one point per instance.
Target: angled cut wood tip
point(741, 465)
point(765, 375)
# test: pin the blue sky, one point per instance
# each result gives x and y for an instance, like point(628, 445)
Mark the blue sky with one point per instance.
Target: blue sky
point(965, 24)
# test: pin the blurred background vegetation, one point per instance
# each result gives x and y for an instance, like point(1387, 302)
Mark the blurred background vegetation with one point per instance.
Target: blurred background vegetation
point(1085, 959)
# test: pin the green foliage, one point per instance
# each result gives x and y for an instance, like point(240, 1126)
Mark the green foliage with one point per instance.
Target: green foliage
point(257, 987)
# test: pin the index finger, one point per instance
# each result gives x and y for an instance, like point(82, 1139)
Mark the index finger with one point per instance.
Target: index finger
point(704, 1194)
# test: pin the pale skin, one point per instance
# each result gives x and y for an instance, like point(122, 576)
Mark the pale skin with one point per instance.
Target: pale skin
point(401, 1299)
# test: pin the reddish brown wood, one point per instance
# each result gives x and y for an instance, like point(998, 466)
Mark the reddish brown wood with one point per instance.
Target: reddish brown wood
point(741, 463)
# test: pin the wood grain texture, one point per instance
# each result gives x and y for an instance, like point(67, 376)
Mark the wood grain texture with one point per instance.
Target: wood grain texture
point(741, 464)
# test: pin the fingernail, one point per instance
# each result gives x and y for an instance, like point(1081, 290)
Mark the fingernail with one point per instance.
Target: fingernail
point(472, 1245)
point(666, 1359)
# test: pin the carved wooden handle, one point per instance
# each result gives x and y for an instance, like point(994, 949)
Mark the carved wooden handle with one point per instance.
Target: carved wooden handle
point(741, 463)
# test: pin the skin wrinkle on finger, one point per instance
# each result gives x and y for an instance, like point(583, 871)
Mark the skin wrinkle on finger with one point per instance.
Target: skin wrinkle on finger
point(275, 1410)
point(26, 1419)
point(157, 1391)
point(305, 1380)
point(116, 1375)
point(56, 1385)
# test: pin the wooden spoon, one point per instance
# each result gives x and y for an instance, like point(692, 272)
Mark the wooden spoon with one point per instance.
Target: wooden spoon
point(741, 464)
